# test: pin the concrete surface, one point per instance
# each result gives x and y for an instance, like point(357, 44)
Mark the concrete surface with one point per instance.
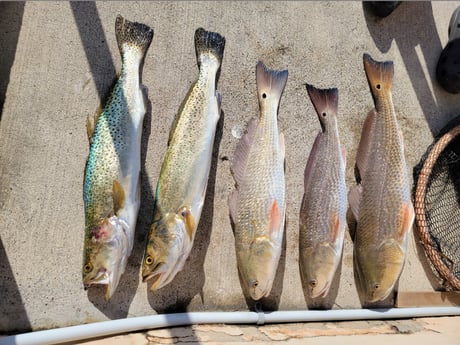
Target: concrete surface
point(63, 57)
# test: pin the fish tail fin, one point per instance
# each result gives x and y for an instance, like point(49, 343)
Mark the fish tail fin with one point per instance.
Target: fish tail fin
point(325, 101)
point(132, 35)
point(208, 43)
point(270, 83)
point(379, 74)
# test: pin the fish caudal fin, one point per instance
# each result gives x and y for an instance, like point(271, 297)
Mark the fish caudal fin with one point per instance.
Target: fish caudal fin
point(132, 35)
point(209, 43)
point(379, 75)
point(270, 83)
point(325, 101)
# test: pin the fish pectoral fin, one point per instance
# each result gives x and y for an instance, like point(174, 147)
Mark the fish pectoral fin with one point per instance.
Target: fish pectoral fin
point(118, 196)
point(406, 219)
point(189, 220)
point(336, 227)
point(276, 218)
point(391, 252)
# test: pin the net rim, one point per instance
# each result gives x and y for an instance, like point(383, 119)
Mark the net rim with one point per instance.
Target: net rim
point(419, 206)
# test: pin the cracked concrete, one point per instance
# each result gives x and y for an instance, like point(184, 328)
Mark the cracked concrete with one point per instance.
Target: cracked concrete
point(62, 58)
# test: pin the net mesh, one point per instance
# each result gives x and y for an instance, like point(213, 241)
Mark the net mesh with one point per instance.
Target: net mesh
point(437, 203)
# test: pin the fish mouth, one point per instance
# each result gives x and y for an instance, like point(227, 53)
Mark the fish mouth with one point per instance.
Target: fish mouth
point(103, 277)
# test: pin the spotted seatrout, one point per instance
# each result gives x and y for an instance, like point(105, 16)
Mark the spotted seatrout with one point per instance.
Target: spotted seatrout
point(380, 202)
point(324, 204)
point(183, 178)
point(111, 183)
point(257, 206)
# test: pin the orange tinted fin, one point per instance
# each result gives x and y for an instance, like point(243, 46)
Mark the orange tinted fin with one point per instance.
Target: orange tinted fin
point(379, 75)
point(189, 220)
point(336, 226)
point(275, 220)
point(406, 218)
point(118, 196)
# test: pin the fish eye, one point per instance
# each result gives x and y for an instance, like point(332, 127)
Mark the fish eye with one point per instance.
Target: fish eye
point(149, 260)
point(313, 283)
point(88, 267)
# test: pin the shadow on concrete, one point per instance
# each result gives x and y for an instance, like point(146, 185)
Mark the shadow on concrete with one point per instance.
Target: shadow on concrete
point(413, 28)
point(13, 315)
point(177, 295)
point(11, 13)
point(94, 43)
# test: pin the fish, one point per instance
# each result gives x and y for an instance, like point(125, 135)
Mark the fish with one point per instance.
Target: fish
point(111, 188)
point(323, 210)
point(380, 201)
point(183, 179)
point(257, 205)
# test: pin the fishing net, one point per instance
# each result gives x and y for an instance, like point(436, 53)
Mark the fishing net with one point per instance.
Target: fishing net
point(437, 203)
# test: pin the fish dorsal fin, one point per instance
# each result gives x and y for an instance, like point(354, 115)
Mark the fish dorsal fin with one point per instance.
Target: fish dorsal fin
point(406, 218)
point(243, 148)
point(189, 220)
point(270, 83)
point(233, 204)
point(363, 153)
point(276, 219)
point(311, 161)
point(118, 196)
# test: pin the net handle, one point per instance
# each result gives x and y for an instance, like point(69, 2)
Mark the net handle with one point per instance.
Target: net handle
point(419, 206)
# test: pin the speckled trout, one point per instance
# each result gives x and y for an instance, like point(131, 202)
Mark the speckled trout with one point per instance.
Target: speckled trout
point(184, 174)
point(111, 184)
point(324, 205)
point(257, 206)
point(380, 201)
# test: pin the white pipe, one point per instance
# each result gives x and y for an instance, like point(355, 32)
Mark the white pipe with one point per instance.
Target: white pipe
point(105, 328)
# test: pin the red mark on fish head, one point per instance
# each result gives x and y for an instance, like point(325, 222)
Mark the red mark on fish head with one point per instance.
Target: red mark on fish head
point(102, 231)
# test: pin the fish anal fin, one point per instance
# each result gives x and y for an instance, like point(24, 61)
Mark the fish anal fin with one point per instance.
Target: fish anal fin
point(354, 199)
point(367, 135)
point(311, 161)
point(275, 220)
point(118, 196)
point(240, 158)
point(233, 204)
point(406, 219)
